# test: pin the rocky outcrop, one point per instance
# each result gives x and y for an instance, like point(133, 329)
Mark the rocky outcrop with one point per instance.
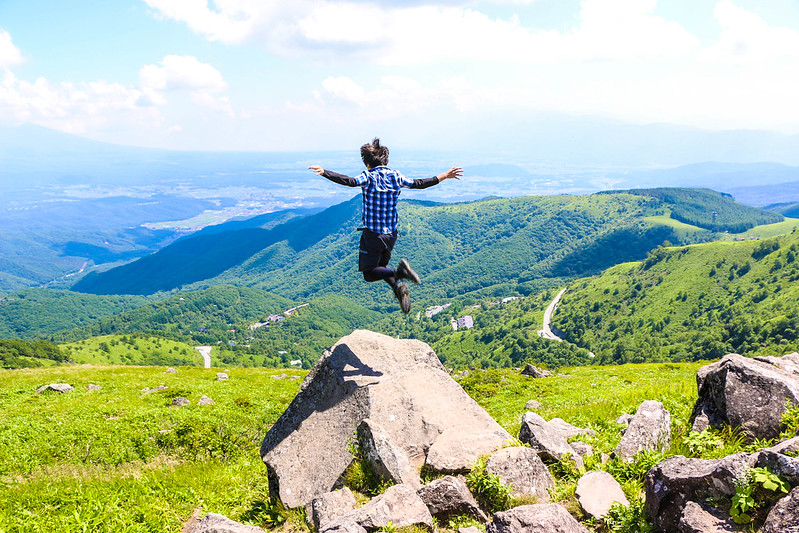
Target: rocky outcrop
point(597, 491)
point(537, 518)
point(386, 460)
point(649, 430)
point(449, 496)
point(522, 469)
point(401, 387)
point(747, 393)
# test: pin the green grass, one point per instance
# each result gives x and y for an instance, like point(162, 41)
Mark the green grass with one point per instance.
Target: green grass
point(131, 350)
point(118, 459)
point(770, 230)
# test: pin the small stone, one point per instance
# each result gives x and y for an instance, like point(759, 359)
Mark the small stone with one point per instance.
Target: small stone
point(532, 405)
point(581, 448)
point(171, 370)
point(221, 376)
point(180, 401)
point(92, 386)
point(217, 523)
point(280, 376)
point(205, 400)
point(327, 507)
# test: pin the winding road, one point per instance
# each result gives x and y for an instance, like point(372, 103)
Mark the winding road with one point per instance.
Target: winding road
point(205, 351)
point(546, 332)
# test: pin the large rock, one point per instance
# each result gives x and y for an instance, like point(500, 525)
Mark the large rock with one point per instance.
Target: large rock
point(784, 516)
point(449, 496)
point(750, 393)
point(522, 469)
point(533, 371)
point(399, 505)
point(780, 464)
point(537, 518)
point(401, 386)
point(697, 519)
point(546, 439)
point(650, 429)
point(597, 491)
point(674, 482)
point(217, 523)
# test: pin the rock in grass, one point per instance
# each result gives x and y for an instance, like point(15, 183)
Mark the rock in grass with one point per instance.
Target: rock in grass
point(205, 400)
point(93, 387)
point(521, 468)
point(649, 430)
point(532, 405)
point(180, 401)
point(597, 491)
point(170, 370)
point(538, 518)
point(221, 376)
point(58, 387)
point(449, 496)
point(217, 523)
point(534, 372)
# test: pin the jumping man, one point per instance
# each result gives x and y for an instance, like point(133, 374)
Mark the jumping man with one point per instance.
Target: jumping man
point(381, 188)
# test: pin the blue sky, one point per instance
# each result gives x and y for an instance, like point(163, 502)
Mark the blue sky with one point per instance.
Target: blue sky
point(327, 74)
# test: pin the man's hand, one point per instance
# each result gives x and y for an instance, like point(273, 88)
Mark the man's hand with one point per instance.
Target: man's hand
point(317, 169)
point(453, 173)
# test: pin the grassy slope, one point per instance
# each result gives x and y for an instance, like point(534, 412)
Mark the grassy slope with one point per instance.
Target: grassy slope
point(131, 350)
point(121, 460)
point(690, 303)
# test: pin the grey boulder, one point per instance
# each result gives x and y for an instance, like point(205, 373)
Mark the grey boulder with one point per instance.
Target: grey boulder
point(546, 439)
point(746, 392)
point(327, 507)
point(399, 505)
point(697, 519)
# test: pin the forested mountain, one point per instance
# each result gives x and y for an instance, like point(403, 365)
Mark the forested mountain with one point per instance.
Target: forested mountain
point(494, 246)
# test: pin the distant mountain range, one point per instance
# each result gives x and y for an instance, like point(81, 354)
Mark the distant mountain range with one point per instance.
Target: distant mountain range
point(507, 245)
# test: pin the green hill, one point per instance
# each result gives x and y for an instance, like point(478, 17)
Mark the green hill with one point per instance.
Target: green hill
point(491, 246)
point(690, 303)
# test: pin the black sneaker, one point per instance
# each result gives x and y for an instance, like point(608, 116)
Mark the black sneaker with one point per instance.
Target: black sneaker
point(403, 297)
point(404, 271)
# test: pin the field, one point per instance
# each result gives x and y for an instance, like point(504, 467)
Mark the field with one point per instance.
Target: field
point(121, 459)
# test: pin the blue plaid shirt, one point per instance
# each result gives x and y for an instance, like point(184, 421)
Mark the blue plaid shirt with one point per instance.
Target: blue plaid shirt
point(381, 189)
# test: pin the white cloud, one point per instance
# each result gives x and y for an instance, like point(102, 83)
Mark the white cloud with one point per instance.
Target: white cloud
point(73, 107)
point(231, 22)
point(184, 73)
point(9, 54)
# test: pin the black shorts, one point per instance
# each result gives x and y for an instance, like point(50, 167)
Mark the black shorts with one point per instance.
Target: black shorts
point(375, 249)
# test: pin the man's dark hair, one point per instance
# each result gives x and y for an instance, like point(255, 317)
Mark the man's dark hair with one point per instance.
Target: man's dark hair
point(373, 154)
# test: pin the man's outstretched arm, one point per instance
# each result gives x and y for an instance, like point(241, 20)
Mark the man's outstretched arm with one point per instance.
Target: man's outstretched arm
point(335, 177)
point(453, 173)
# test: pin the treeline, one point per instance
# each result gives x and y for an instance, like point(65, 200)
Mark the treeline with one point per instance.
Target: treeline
point(16, 353)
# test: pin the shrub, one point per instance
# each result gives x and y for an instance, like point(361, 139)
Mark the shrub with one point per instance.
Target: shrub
point(488, 488)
